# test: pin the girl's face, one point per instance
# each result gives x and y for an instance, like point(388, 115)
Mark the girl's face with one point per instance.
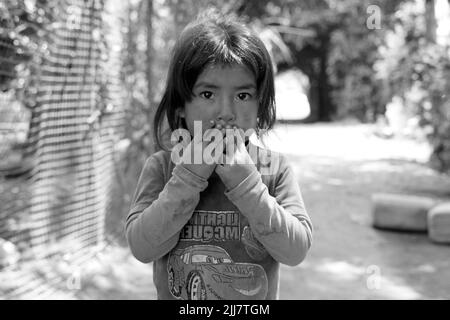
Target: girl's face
point(225, 94)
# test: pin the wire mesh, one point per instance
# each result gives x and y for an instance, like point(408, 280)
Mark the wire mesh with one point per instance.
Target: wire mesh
point(60, 119)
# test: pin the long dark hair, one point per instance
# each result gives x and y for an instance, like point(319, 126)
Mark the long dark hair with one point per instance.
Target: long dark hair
point(217, 39)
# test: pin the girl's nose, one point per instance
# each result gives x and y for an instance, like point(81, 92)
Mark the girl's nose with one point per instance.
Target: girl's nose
point(226, 112)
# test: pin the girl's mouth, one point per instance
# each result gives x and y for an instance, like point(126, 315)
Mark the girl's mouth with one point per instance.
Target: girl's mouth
point(224, 128)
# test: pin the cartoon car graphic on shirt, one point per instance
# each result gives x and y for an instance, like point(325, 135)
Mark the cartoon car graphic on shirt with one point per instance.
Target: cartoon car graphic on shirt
point(206, 272)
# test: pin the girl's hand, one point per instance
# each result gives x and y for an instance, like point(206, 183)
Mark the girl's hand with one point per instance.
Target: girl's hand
point(203, 169)
point(238, 164)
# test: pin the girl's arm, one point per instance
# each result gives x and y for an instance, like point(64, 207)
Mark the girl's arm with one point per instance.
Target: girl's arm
point(279, 222)
point(159, 211)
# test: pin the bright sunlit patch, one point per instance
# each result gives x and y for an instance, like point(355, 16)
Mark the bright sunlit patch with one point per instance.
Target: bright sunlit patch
point(391, 289)
point(442, 11)
point(380, 166)
point(334, 182)
point(386, 287)
point(425, 268)
point(341, 270)
point(291, 96)
point(401, 167)
point(347, 142)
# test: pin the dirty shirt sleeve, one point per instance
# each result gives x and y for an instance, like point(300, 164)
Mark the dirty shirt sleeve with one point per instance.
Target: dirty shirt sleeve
point(279, 222)
point(159, 211)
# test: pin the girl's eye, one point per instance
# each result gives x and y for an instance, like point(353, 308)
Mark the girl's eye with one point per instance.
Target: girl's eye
point(206, 94)
point(244, 96)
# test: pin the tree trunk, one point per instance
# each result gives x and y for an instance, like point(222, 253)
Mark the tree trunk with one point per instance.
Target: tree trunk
point(150, 111)
point(430, 21)
point(325, 108)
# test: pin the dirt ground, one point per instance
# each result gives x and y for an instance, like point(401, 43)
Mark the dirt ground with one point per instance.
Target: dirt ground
point(339, 167)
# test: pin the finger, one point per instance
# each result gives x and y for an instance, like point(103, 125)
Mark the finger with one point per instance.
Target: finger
point(213, 136)
point(229, 147)
point(241, 134)
point(225, 144)
point(229, 131)
point(220, 169)
point(239, 131)
point(209, 133)
point(240, 139)
point(220, 123)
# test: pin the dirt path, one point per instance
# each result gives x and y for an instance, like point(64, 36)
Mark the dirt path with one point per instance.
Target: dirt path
point(338, 168)
point(350, 259)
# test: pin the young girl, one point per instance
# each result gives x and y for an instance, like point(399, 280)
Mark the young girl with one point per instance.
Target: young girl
point(218, 230)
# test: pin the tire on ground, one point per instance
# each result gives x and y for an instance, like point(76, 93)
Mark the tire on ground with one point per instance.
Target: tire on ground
point(439, 223)
point(401, 212)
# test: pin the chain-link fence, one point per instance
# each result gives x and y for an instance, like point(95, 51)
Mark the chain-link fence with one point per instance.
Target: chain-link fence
point(60, 120)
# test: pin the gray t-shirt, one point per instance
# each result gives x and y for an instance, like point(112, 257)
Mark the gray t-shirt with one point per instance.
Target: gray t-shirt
point(207, 242)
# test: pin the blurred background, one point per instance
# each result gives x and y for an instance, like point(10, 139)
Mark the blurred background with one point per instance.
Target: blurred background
point(363, 108)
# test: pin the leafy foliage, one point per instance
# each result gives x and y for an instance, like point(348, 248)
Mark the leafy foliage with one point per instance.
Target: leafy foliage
point(23, 38)
point(425, 68)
